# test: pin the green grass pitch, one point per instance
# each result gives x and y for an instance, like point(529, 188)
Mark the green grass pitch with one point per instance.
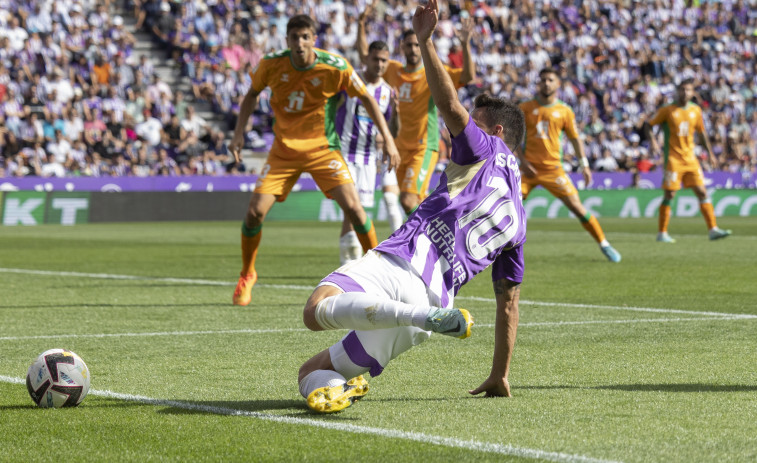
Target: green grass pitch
point(652, 359)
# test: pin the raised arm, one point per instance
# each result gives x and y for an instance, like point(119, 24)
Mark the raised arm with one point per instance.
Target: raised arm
point(469, 66)
point(391, 155)
point(362, 40)
point(439, 82)
point(245, 111)
point(505, 328)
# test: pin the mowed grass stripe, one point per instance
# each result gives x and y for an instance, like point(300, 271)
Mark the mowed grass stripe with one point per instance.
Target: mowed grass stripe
point(310, 288)
point(472, 445)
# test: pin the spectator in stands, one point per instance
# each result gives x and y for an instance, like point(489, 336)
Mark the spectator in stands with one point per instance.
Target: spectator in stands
point(101, 71)
point(156, 88)
point(196, 125)
point(603, 55)
point(607, 162)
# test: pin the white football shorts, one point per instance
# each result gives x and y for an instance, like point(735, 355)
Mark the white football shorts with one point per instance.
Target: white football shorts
point(388, 178)
point(385, 276)
point(364, 176)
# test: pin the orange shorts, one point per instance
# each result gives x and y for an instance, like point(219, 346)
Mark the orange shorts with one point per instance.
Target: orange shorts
point(555, 181)
point(690, 176)
point(283, 167)
point(414, 172)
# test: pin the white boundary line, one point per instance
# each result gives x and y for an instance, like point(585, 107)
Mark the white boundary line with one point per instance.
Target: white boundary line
point(301, 330)
point(149, 334)
point(702, 236)
point(502, 449)
point(618, 307)
point(310, 288)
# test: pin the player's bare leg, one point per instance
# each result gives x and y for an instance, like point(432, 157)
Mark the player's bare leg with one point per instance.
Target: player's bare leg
point(409, 201)
point(346, 196)
point(252, 232)
point(591, 225)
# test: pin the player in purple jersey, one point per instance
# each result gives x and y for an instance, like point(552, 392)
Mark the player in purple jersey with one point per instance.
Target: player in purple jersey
point(359, 138)
point(397, 294)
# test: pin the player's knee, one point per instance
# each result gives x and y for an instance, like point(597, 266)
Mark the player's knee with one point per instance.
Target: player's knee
point(308, 317)
point(308, 313)
point(255, 216)
point(408, 202)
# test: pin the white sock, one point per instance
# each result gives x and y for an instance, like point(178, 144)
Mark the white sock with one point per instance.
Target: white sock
point(360, 311)
point(393, 212)
point(320, 378)
point(604, 243)
point(349, 247)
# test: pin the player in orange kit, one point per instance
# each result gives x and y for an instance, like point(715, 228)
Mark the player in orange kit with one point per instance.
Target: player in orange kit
point(304, 82)
point(418, 138)
point(680, 120)
point(541, 158)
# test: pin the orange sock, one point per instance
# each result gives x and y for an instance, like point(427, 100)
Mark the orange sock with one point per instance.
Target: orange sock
point(250, 246)
point(591, 225)
point(367, 235)
point(709, 214)
point(664, 218)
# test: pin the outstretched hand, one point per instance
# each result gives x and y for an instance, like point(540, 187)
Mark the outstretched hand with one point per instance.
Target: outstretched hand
point(425, 19)
point(391, 155)
point(367, 12)
point(493, 387)
point(467, 29)
point(235, 147)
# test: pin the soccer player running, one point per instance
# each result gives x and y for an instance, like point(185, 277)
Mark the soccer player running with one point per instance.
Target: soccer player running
point(400, 292)
point(359, 141)
point(680, 120)
point(541, 158)
point(418, 139)
point(304, 82)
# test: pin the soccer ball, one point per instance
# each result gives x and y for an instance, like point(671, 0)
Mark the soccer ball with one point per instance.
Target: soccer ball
point(58, 378)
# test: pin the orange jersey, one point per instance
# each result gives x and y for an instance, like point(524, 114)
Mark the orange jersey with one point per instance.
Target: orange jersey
point(304, 101)
point(544, 128)
point(679, 124)
point(419, 119)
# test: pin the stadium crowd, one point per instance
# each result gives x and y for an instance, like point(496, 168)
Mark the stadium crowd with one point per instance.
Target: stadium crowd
point(76, 100)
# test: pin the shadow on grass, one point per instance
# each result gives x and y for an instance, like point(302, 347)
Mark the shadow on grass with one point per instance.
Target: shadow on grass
point(88, 403)
point(295, 408)
point(672, 387)
point(17, 407)
point(682, 387)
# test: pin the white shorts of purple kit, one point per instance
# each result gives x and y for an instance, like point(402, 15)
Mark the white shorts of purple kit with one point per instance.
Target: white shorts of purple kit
point(384, 276)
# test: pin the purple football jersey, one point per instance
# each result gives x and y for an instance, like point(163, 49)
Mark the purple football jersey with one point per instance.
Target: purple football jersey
point(356, 130)
point(473, 219)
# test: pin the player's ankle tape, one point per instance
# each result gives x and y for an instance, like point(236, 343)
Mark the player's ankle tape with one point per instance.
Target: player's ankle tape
point(251, 231)
point(366, 227)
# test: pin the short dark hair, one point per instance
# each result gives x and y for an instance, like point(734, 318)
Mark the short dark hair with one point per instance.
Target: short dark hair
point(406, 33)
point(686, 81)
point(549, 71)
point(378, 45)
point(302, 21)
point(505, 113)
